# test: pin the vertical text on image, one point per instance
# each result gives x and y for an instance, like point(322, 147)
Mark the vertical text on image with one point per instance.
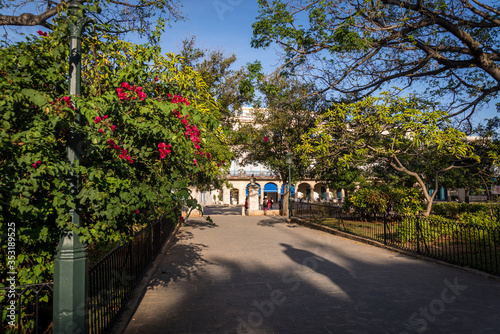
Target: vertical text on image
point(11, 279)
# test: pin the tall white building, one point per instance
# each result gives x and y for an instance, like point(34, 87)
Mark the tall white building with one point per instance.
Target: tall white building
point(270, 185)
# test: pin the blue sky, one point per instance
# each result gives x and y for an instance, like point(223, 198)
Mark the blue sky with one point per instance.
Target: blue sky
point(227, 25)
point(220, 25)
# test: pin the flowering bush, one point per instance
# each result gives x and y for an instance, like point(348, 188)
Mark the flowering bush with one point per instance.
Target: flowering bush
point(146, 132)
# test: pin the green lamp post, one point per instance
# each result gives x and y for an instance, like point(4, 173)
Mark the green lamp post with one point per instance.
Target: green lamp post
point(70, 263)
point(289, 161)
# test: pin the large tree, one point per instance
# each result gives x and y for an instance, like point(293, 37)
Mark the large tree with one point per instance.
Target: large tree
point(149, 130)
point(114, 15)
point(354, 48)
point(405, 134)
point(281, 116)
point(217, 70)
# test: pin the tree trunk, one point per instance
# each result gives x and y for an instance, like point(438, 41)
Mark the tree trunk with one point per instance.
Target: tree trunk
point(429, 207)
point(285, 201)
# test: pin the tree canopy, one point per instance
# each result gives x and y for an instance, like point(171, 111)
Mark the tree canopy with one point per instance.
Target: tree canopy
point(150, 129)
point(405, 134)
point(351, 48)
point(113, 15)
point(280, 118)
point(216, 69)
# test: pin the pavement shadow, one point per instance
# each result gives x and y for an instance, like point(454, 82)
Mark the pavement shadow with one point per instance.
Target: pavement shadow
point(224, 210)
point(200, 224)
point(271, 222)
point(184, 261)
point(322, 289)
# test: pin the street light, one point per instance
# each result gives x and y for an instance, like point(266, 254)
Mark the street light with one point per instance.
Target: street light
point(70, 263)
point(289, 156)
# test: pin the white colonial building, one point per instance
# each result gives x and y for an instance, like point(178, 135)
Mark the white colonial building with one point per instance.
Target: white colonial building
point(269, 185)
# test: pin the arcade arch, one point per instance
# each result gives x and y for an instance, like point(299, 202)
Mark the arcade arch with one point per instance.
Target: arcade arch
point(271, 191)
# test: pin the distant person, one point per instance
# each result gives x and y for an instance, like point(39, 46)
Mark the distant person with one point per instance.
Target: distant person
point(280, 203)
point(269, 204)
point(246, 205)
point(264, 204)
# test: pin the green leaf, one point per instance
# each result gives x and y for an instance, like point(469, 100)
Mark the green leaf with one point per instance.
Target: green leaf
point(34, 96)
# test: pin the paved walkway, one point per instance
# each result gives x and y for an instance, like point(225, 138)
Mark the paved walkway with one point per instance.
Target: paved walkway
point(264, 275)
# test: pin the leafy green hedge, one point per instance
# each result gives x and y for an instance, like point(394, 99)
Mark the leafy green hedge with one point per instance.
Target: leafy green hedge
point(485, 214)
point(380, 199)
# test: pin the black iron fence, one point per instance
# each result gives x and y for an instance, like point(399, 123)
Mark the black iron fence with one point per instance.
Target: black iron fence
point(26, 308)
point(111, 280)
point(113, 277)
point(467, 245)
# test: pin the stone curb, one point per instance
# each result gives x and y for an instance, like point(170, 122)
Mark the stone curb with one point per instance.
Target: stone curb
point(139, 291)
point(333, 231)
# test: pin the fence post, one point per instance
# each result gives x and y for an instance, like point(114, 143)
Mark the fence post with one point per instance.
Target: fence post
point(385, 228)
point(417, 224)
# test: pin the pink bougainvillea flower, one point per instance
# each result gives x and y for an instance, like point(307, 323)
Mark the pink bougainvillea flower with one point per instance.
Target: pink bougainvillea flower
point(42, 33)
point(105, 117)
point(67, 99)
point(113, 128)
point(266, 139)
point(223, 161)
point(218, 165)
point(121, 94)
point(136, 211)
point(38, 162)
point(97, 120)
point(123, 154)
point(101, 130)
point(156, 79)
point(195, 162)
point(34, 165)
point(164, 149)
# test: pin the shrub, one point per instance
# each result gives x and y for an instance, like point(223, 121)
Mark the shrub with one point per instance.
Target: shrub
point(403, 201)
point(149, 129)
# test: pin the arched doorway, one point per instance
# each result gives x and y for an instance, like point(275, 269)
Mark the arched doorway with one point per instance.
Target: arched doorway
point(304, 192)
point(271, 191)
point(235, 196)
point(320, 193)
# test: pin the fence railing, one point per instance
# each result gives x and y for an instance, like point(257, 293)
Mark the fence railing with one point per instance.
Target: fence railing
point(111, 280)
point(28, 308)
point(467, 245)
point(113, 277)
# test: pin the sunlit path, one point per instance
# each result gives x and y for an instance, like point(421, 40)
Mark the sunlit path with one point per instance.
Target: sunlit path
point(264, 275)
